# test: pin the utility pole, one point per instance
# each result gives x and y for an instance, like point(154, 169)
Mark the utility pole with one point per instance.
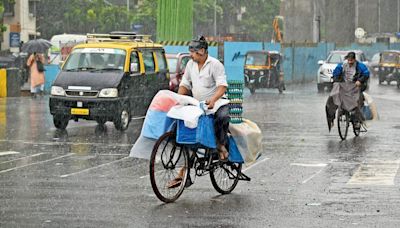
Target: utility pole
point(379, 16)
point(127, 15)
point(356, 14)
point(215, 19)
point(398, 16)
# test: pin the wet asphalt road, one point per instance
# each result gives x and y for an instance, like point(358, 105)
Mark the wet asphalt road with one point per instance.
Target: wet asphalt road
point(306, 177)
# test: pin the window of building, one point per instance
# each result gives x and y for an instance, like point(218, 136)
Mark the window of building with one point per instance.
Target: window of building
point(9, 8)
point(32, 7)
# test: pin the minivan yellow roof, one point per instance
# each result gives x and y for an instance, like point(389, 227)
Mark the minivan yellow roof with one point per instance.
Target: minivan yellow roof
point(120, 45)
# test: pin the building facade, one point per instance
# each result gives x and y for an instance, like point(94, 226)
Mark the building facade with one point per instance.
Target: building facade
point(19, 18)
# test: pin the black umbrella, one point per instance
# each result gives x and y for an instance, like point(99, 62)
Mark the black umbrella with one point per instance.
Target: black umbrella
point(38, 46)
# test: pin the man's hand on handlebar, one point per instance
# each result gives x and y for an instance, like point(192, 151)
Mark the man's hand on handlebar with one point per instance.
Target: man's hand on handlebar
point(210, 103)
point(358, 83)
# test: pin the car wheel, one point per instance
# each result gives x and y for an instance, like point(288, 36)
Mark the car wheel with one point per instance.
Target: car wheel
point(60, 121)
point(101, 120)
point(121, 122)
point(281, 87)
point(252, 90)
point(381, 80)
point(320, 88)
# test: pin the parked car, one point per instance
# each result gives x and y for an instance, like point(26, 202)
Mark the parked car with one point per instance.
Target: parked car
point(325, 71)
point(176, 66)
point(110, 78)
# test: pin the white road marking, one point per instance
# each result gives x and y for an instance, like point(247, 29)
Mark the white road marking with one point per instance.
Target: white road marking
point(30, 156)
point(323, 165)
point(8, 153)
point(91, 168)
point(255, 164)
point(375, 173)
point(36, 163)
point(63, 143)
point(309, 165)
point(308, 179)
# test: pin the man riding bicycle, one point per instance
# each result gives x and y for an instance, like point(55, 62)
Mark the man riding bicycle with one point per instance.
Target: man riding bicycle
point(351, 70)
point(205, 79)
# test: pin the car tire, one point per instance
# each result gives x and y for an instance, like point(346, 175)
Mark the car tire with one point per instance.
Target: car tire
point(320, 88)
point(101, 120)
point(123, 118)
point(252, 90)
point(60, 121)
point(281, 87)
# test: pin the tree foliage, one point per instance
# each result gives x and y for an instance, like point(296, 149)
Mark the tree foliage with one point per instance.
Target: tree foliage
point(84, 16)
point(254, 22)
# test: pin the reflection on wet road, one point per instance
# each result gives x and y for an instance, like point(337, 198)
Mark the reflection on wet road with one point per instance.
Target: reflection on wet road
point(307, 177)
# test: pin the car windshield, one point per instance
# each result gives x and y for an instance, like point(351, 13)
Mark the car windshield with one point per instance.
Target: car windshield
point(172, 64)
point(257, 59)
point(95, 59)
point(339, 57)
point(390, 58)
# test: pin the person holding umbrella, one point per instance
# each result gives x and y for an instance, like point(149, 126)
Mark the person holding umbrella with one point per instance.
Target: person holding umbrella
point(36, 68)
point(36, 63)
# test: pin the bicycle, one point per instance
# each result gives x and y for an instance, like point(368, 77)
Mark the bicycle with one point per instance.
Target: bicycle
point(343, 121)
point(168, 158)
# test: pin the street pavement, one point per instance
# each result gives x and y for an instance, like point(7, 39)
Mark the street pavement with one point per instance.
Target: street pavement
point(306, 176)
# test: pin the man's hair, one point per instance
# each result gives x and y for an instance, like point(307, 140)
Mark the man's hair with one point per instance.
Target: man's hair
point(198, 43)
point(351, 55)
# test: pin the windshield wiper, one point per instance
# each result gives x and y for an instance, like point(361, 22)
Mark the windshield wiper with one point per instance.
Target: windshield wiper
point(81, 69)
point(107, 69)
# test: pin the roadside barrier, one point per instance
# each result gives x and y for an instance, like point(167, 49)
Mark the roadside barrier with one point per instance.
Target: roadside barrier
point(10, 82)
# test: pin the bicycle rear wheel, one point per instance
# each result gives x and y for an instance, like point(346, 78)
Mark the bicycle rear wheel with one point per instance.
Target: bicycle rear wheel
point(167, 160)
point(343, 123)
point(225, 176)
point(356, 130)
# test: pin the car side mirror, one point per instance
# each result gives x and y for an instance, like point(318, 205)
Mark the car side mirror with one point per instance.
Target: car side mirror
point(134, 67)
point(320, 62)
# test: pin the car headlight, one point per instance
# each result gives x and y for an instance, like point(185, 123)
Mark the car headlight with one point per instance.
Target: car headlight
point(261, 73)
point(57, 91)
point(110, 92)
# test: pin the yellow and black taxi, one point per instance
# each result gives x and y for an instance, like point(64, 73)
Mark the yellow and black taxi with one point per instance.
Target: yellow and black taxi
point(389, 66)
point(112, 77)
point(262, 69)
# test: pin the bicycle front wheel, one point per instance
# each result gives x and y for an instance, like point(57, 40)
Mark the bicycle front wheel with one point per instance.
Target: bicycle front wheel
point(168, 168)
point(225, 176)
point(343, 123)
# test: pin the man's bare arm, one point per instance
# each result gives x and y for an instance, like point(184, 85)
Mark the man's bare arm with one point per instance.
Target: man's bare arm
point(218, 94)
point(183, 90)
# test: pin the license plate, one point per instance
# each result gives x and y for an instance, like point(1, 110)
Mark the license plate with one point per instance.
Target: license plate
point(252, 80)
point(80, 111)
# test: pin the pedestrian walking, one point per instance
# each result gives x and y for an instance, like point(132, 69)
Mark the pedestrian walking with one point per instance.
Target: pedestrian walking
point(36, 68)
